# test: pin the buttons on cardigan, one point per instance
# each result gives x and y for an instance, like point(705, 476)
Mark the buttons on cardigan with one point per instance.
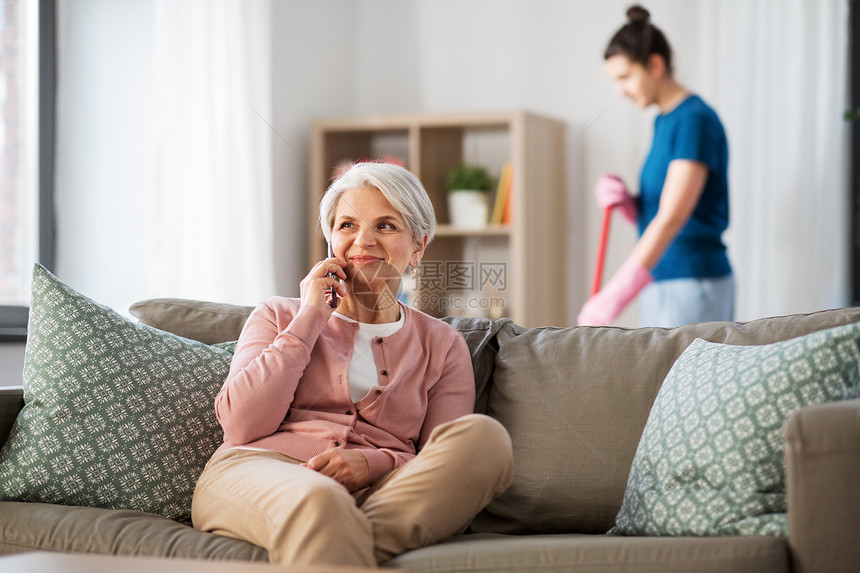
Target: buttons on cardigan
point(385, 372)
point(336, 444)
point(378, 392)
point(349, 412)
point(379, 340)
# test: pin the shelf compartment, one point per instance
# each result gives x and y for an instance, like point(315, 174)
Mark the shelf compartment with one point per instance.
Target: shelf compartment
point(488, 231)
point(432, 143)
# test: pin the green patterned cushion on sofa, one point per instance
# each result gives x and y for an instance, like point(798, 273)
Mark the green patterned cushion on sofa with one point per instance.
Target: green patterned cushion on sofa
point(116, 414)
point(711, 457)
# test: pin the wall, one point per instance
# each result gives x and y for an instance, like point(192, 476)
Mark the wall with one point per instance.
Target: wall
point(313, 74)
point(545, 57)
point(756, 63)
point(342, 57)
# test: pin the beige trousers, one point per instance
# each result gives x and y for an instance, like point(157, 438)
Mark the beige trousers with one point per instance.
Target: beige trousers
point(303, 517)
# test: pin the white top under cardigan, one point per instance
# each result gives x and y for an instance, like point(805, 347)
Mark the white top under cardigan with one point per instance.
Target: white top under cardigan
point(362, 368)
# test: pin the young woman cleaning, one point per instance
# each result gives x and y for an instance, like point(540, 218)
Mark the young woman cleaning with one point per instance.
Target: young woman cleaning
point(679, 263)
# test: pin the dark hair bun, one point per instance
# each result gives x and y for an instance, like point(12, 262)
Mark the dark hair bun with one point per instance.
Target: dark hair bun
point(637, 13)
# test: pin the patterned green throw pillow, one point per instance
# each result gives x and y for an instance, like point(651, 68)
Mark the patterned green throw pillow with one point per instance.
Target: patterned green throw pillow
point(116, 414)
point(711, 457)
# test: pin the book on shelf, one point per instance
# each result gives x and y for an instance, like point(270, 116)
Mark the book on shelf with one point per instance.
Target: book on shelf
point(509, 199)
point(502, 201)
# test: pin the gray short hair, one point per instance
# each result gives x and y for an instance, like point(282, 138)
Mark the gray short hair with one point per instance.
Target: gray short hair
point(402, 189)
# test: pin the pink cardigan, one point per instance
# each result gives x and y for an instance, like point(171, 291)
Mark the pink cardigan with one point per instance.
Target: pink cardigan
point(288, 391)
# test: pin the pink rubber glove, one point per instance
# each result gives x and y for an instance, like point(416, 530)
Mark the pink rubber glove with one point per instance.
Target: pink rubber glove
point(605, 306)
point(611, 192)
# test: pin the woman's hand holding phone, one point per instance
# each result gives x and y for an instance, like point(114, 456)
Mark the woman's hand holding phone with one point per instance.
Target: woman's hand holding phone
point(332, 291)
point(322, 287)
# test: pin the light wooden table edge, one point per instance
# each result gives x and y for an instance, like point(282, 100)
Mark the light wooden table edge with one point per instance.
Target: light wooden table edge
point(56, 562)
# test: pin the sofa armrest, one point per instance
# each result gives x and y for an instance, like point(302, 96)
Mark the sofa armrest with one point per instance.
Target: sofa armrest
point(823, 471)
point(11, 402)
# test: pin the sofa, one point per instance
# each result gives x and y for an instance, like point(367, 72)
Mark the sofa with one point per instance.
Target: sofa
point(575, 401)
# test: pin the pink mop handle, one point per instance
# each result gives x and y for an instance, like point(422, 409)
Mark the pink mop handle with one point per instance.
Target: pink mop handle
point(601, 251)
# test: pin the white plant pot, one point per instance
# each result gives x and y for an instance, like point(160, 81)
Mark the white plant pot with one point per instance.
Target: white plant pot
point(468, 209)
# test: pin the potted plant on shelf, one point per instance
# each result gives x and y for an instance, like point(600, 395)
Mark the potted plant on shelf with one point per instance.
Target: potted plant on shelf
point(468, 188)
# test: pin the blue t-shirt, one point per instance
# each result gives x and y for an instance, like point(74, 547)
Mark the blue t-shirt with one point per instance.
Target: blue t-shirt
point(690, 131)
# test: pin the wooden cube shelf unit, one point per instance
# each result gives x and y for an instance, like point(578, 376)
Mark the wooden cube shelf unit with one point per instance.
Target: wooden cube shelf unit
point(517, 270)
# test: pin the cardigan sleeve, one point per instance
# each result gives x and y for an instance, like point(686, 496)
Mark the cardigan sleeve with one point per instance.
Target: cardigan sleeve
point(453, 395)
point(271, 355)
point(383, 460)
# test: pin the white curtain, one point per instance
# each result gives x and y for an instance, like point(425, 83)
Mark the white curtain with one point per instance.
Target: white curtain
point(789, 238)
point(212, 200)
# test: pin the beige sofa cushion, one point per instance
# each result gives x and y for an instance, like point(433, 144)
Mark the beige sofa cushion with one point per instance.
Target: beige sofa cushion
point(69, 529)
point(575, 401)
point(597, 554)
point(208, 322)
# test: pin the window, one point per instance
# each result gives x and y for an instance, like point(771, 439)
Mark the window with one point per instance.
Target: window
point(854, 187)
point(27, 56)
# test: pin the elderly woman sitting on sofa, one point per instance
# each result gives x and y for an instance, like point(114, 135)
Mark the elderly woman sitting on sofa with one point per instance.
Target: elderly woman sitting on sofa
point(349, 436)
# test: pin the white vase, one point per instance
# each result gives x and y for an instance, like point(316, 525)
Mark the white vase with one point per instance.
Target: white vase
point(467, 208)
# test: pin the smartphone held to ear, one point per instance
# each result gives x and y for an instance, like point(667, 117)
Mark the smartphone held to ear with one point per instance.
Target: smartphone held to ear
point(332, 291)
